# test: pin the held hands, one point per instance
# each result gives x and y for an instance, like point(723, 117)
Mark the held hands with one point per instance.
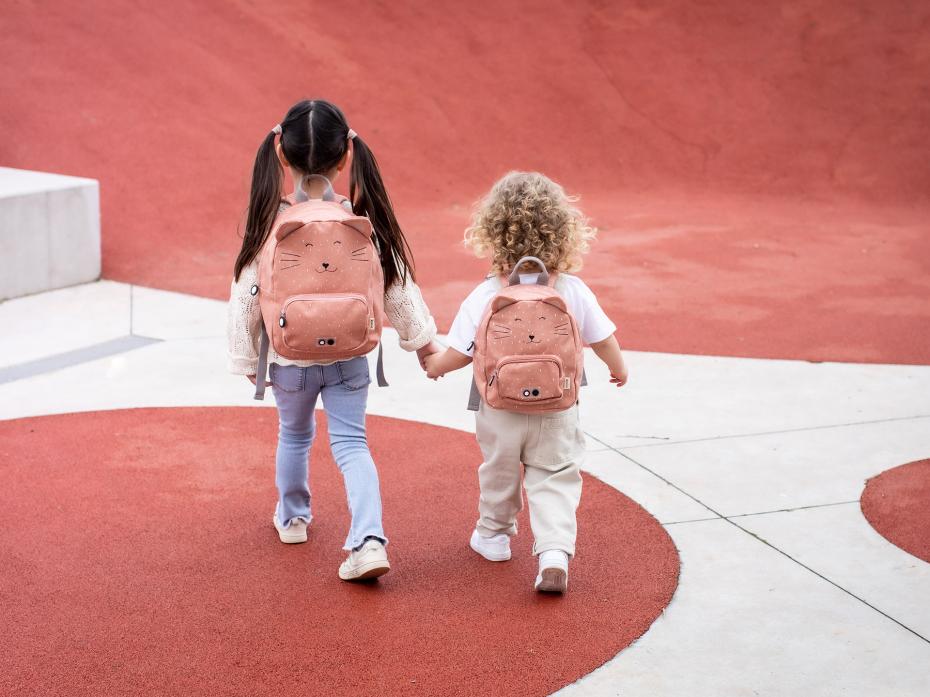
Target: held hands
point(438, 364)
point(428, 356)
point(443, 360)
point(432, 367)
point(433, 347)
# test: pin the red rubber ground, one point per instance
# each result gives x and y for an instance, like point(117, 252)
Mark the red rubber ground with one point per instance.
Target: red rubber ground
point(139, 558)
point(895, 504)
point(758, 170)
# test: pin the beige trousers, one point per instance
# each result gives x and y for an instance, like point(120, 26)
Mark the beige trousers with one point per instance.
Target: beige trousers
point(547, 451)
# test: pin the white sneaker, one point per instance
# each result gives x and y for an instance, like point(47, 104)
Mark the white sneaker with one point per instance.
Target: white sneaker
point(369, 562)
point(293, 534)
point(553, 572)
point(496, 548)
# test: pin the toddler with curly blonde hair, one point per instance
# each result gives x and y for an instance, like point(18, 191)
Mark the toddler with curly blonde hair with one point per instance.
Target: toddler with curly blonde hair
point(527, 214)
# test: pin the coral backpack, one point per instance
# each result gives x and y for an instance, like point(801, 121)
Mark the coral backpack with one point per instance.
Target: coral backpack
point(320, 287)
point(528, 352)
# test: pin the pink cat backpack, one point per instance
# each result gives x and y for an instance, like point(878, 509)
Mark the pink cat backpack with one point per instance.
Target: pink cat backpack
point(529, 357)
point(320, 287)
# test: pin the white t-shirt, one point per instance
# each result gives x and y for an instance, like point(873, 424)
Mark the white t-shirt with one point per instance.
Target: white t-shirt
point(593, 324)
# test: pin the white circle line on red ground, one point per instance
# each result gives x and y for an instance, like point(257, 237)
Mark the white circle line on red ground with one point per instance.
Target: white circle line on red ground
point(744, 436)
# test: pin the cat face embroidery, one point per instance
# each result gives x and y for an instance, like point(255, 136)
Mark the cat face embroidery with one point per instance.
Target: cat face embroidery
point(529, 324)
point(328, 252)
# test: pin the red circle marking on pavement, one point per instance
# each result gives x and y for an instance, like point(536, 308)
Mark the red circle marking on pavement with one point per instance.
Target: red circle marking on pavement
point(139, 556)
point(757, 170)
point(895, 504)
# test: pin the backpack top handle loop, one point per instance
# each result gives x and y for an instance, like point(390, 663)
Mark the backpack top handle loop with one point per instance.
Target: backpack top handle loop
point(542, 280)
point(300, 195)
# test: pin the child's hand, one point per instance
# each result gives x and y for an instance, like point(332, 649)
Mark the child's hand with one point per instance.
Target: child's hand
point(431, 364)
point(431, 348)
point(620, 379)
point(608, 351)
point(252, 380)
point(438, 364)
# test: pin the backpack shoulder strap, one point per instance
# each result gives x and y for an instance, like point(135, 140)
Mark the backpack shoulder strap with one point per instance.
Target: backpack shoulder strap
point(554, 276)
point(498, 282)
point(474, 397)
point(379, 366)
point(262, 370)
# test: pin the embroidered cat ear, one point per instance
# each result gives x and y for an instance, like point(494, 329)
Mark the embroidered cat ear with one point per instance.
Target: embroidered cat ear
point(556, 302)
point(360, 225)
point(500, 302)
point(287, 228)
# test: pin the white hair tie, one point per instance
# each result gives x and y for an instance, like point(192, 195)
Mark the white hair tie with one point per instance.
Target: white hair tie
point(277, 129)
point(352, 134)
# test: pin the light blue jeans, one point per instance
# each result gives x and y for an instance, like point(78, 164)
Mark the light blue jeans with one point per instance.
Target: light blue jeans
point(344, 389)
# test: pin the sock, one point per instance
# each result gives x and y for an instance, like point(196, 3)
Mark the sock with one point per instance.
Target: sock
point(368, 537)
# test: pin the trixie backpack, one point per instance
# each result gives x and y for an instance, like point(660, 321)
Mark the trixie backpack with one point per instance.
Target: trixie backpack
point(528, 352)
point(320, 287)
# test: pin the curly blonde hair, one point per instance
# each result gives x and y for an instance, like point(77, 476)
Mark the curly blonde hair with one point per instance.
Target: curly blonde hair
point(528, 214)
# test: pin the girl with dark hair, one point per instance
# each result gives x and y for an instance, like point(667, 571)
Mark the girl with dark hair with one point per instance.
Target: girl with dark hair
point(314, 143)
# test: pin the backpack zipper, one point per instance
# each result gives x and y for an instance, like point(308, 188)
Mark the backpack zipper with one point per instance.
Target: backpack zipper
point(321, 297)
point(527, 359)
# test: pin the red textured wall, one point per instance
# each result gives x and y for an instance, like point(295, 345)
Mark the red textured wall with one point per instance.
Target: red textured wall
point(738, 157)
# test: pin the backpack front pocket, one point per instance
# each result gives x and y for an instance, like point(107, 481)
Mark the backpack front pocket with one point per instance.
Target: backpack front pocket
point(529, 379)
point(327, 323)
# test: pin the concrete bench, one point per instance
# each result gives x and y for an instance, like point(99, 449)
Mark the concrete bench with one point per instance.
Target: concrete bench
point(49, 231)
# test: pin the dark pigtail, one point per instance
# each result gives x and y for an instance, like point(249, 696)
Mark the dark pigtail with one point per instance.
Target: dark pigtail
point(369, 197)
point(314, 139)
point(264, 200)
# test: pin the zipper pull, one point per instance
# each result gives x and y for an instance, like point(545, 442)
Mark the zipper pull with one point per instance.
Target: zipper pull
point(491, 381)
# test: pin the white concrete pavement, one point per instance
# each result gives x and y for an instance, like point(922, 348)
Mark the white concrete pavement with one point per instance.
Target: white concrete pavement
point(754, 466)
